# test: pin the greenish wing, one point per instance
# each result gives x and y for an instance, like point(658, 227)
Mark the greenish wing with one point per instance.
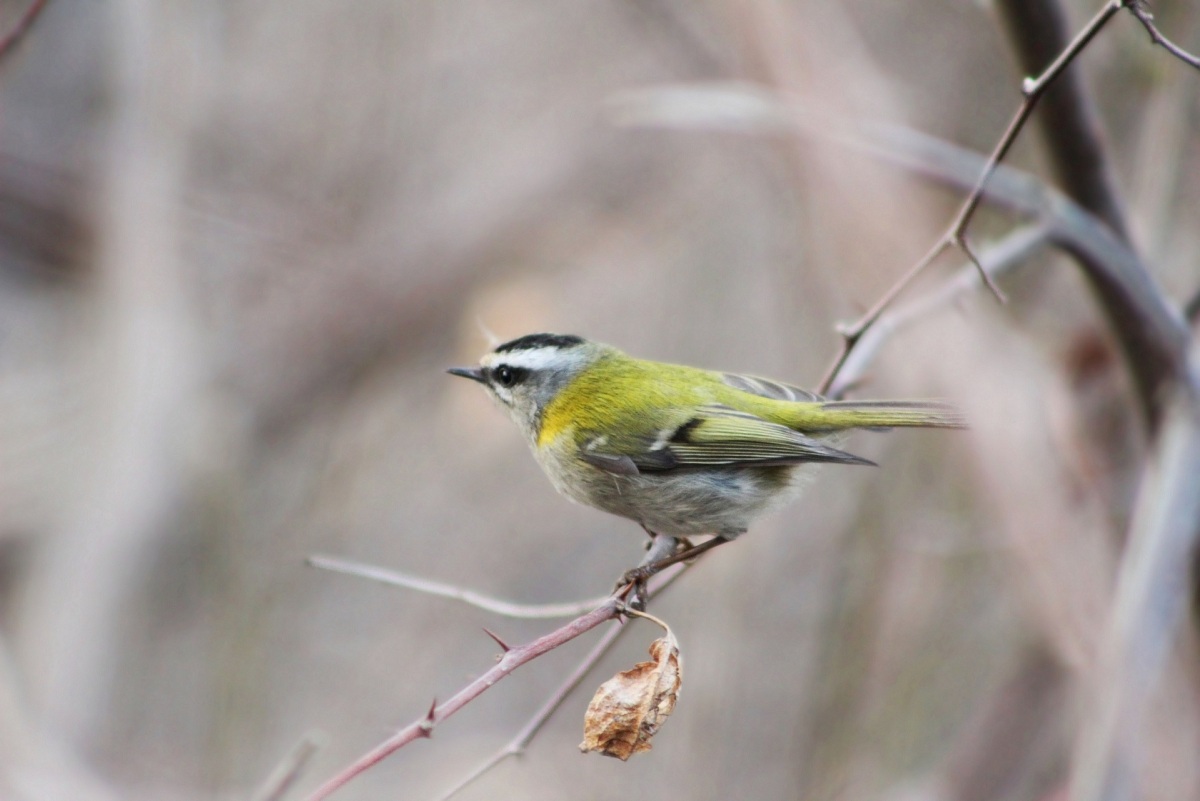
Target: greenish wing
point(765, 388)
point(715, 436)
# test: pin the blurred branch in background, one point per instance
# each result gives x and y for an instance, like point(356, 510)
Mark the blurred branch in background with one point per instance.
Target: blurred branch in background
point(33, 762)
point(239, 241)
point(995, 258)
point(955, 236)
point(49, 236)
point(1141, 10)
point(17, 32)
point(288, 772)
point(1152, 333)
point(140, 406)
point(1070, 125)
point(1153, 589)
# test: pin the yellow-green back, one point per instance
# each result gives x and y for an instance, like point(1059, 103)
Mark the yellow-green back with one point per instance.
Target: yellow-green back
point(618, 393)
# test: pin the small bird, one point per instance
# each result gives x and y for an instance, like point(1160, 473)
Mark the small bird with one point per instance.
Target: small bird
point(681, 450)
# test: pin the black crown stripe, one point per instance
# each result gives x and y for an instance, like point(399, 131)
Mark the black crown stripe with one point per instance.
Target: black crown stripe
point(532, 341)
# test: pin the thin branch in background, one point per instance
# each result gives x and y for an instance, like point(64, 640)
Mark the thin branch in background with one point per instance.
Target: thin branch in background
point(10, 40)
point(996, 259)
point(1191, 309)
point(1141, 10)
point(1150, 332)
point(284, 776)
point(513, 658)
point(497, 606)
point(1038, 31)
point(955, 235)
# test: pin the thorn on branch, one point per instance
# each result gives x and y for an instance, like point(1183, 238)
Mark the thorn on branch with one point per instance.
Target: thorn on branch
point(503, 645)
point(961, 243)
point(425, 729)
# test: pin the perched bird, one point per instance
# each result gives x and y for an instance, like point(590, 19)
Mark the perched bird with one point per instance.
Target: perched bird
point(681, 450)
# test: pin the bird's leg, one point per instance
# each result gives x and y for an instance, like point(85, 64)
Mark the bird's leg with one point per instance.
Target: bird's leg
point(683, 555)
point(658, 548)
point(659, 558)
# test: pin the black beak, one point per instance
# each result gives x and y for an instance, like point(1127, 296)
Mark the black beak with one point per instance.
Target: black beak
point(473, 373)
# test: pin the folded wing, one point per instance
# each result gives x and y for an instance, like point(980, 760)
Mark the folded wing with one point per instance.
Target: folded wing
point(715, 436)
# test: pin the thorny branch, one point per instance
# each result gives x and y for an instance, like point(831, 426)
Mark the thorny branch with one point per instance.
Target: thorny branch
point(423, 726)
point(520, 741)
point(512, 658)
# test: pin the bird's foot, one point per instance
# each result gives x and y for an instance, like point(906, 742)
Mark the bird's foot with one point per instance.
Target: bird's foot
point(659, 548)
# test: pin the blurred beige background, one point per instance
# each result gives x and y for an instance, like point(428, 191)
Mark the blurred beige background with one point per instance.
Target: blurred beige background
point(239, 243)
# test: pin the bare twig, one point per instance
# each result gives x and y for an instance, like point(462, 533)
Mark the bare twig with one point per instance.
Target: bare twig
point(21, 28)
point(1151, 334)
point(996, 259)
point(1069, 123)
point(288, 771)
point(498, 606)
point(955, 235)
point(1141, 10)
point(1151, 599)
point(512, 658)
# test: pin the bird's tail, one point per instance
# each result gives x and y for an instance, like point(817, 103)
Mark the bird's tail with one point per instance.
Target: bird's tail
point(888, 414)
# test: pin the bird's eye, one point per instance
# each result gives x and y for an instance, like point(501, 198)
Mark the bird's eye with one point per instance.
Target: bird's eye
point(505, 376)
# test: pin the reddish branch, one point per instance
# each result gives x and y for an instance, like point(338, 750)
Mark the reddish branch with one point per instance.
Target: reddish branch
point(512, 659)
point(517, 745)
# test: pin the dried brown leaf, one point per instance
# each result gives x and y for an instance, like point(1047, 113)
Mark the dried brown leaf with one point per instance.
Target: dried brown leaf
point(629, 708)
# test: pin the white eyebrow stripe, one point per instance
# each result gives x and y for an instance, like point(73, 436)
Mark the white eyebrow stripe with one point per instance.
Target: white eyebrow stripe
point(535, 359)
